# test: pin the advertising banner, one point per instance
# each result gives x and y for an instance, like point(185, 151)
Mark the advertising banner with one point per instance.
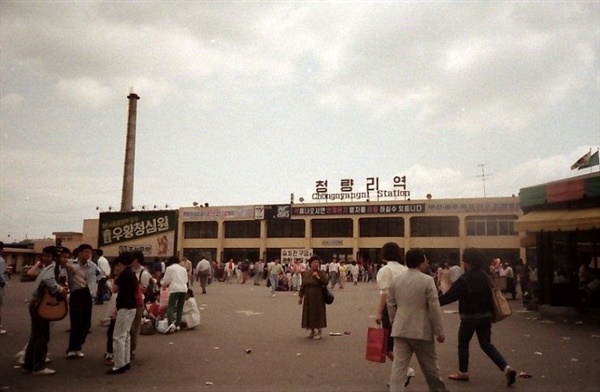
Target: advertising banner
point(152, 232)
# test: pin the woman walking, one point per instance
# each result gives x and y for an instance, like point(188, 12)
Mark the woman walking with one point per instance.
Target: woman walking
point(473, 292)
point(314, 315)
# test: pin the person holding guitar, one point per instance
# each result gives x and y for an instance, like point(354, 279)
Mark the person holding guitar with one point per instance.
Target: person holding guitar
point(47, 280)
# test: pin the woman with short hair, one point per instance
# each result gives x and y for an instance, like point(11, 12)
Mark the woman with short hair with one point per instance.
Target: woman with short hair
point(314, 315)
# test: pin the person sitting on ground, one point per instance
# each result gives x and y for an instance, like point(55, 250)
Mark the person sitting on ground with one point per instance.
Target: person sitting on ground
point(191, 314)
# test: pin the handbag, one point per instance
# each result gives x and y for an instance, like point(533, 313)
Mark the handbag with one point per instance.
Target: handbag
point(377, 344)
point(501, 307)
point(328, 295)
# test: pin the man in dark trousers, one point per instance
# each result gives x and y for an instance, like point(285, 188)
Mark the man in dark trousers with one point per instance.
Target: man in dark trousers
point(37, 348)
point(83, 274)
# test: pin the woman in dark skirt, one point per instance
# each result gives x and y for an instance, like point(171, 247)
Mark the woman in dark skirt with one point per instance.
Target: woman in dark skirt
point(314, 315)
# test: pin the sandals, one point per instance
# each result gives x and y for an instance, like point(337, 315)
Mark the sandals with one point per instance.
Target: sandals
point(459, 376)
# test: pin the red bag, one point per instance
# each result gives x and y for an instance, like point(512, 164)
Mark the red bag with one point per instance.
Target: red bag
point(377, 344)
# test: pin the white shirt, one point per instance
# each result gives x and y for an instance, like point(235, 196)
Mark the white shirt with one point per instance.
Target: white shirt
point(176, 278)
point(334, 267)
point(508, 272)
point(203, 265)
point(455, 273)
point(386, 274)
point(104, 265)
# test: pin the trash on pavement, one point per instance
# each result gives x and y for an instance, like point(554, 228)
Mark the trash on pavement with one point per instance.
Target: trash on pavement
point(538, 353)
point(524, 375)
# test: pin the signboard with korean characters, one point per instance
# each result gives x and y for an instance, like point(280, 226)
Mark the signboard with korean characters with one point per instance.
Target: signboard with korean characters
point(151, 232)
point(289, 255)
point(371, 189)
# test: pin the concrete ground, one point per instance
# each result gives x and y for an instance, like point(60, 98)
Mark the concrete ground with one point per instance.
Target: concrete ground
point(560, 354)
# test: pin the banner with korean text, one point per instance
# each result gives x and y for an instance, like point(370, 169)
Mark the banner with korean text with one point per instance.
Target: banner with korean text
point(151, 232)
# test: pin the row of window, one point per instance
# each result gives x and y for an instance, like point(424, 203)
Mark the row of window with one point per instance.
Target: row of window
point(428, 226)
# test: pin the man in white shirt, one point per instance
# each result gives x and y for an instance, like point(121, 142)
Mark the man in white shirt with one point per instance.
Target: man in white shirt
point(203, 272)
point(392, 254)
point(104, 266)
point(334, 272)
point(176, 279)
point(187, 264)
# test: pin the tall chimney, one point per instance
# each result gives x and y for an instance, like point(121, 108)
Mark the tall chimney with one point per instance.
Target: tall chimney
point(128, 169)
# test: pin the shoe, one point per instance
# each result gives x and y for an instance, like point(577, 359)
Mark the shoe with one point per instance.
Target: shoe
point(44, 372)
point(109, 362)
point(171, 328)
point(311, 335)
point(318, 336)
point(2, 331)
point(459, 376)
point(20, 357)
point(511, 376)
point(120, 370)
point(409, 376)
point(75, 354)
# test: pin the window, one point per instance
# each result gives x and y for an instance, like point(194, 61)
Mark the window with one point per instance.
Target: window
point(200, 229)
point(286, 228)
point(242, 229)
point(493, 225)
point(434, 226)
point(381, 227)
point(196, 254)
point(328, 228)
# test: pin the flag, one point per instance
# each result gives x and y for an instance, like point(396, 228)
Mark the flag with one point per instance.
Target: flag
point(581, 162)
point(592, 161)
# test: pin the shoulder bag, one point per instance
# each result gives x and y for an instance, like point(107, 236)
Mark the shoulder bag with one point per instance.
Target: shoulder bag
point(501, 307)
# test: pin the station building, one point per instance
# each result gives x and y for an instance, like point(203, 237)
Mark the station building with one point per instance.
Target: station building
point(352, 231)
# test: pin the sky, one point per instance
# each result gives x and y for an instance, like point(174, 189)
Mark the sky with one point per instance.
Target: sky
point(245, 103)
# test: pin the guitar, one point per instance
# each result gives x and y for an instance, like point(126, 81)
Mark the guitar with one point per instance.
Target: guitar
point(51, 307)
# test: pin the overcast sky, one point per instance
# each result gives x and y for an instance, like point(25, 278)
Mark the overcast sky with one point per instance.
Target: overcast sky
point(245, 103)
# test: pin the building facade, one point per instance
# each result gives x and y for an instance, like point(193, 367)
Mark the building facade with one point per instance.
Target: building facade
point(562, 225)
point(353, 231)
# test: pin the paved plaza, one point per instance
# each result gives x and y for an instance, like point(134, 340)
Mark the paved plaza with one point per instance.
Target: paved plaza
point(560, 354)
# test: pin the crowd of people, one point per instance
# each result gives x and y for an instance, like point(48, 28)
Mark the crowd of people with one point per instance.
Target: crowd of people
point(138, 295)
point(149, 297)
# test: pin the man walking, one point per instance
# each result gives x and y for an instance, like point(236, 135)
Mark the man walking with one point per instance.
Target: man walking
point(416, 317)
point(203, 272)
point(334, 272)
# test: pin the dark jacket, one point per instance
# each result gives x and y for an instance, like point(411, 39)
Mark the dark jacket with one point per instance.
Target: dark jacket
point(473, 293)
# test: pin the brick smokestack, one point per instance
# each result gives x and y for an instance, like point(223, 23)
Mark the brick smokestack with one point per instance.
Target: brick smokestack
point(128, 169)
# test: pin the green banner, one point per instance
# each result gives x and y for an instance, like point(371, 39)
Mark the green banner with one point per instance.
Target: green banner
point(117, 227)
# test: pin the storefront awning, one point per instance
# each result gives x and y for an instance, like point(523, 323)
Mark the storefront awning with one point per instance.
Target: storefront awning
point(560, 220)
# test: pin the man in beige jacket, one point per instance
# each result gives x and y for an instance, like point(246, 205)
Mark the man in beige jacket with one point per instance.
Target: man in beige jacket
point(416, 317)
